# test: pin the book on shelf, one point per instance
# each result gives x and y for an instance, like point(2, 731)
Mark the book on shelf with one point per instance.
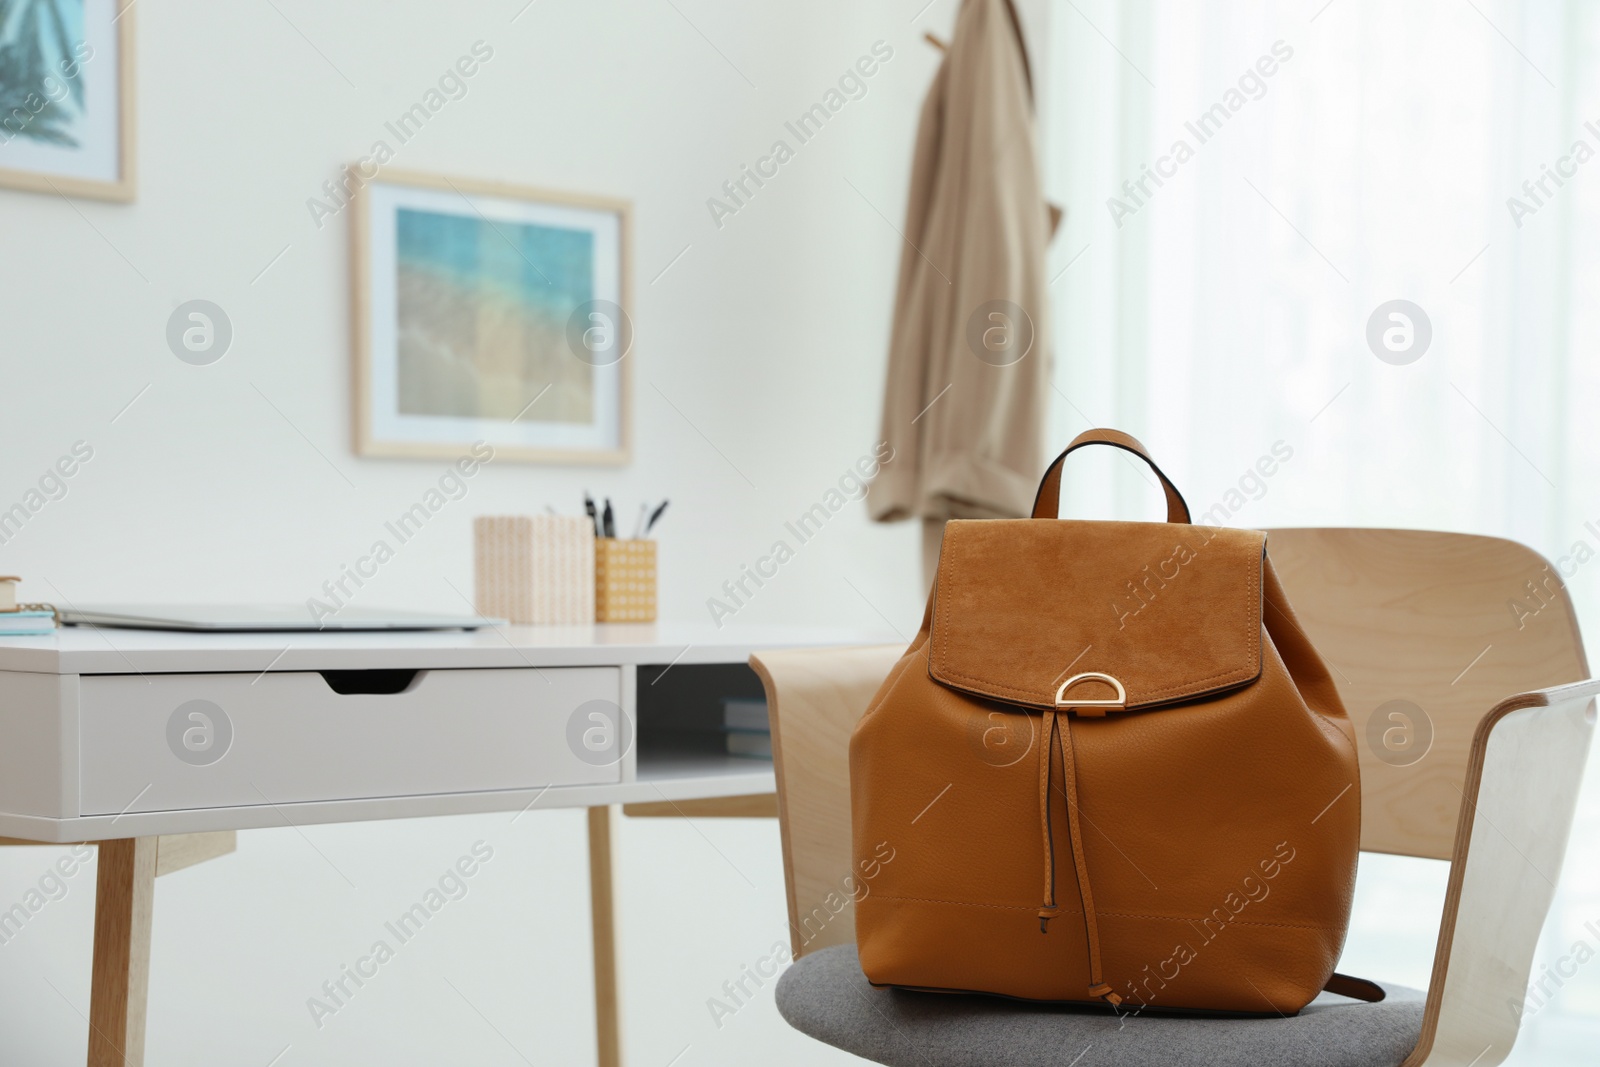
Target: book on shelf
point(751, 744)
point(744, 713)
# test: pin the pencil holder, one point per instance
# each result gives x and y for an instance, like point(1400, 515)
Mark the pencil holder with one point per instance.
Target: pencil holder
point(534, 569)
point(624, 580)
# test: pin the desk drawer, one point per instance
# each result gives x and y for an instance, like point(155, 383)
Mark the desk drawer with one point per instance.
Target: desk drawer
point(178, 741)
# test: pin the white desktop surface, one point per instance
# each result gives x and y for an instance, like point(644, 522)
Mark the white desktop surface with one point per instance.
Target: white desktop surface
point(111, 650)
point(79, 711)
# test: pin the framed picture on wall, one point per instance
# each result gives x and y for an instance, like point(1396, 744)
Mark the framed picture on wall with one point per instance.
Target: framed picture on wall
point(489, 312)
point(67, 97)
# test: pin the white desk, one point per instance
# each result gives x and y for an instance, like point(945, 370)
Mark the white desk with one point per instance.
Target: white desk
point(127, 736)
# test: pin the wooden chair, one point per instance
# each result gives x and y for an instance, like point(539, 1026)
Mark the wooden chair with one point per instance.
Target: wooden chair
point(123, 905)
point(1459, 660)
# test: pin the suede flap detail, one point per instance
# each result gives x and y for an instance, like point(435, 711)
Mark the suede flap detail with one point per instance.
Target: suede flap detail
point(1172, 611)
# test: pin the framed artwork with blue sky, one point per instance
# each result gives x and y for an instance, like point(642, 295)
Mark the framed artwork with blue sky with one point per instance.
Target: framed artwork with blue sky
point(489, 312)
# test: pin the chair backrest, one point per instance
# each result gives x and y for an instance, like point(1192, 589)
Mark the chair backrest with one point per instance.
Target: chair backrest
point(814, 697)
point(1424, 633)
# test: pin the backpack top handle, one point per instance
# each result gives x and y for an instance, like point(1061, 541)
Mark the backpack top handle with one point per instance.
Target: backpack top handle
point(1047, 503)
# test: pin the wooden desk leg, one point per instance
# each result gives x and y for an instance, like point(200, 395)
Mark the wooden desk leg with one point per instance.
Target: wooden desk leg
point(606, 1015)
point(124, 897)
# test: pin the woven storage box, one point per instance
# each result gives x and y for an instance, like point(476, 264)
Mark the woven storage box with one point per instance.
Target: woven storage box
point(624, 580)
point(534, 569)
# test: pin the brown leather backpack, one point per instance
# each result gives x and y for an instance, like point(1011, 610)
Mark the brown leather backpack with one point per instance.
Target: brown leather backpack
point(1111, 767)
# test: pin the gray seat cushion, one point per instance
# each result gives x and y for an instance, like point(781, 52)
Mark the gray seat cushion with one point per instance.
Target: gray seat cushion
point(826, 996)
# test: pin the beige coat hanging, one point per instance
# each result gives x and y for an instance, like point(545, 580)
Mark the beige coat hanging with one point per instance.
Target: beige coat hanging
point(969, 355)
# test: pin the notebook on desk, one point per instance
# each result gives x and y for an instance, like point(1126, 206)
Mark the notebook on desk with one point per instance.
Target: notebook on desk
point(234, 618)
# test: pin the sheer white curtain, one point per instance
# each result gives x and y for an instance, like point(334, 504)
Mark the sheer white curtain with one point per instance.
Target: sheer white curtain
point(1336, 157)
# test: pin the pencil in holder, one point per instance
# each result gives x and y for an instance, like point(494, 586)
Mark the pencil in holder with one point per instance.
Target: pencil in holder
point(624, 580)
point(534, 568)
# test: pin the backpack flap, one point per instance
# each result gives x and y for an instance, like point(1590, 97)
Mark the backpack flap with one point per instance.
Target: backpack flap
point(1132, 614)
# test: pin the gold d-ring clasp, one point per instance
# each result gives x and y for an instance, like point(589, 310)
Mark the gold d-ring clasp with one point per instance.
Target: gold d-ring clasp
point(1092, 707)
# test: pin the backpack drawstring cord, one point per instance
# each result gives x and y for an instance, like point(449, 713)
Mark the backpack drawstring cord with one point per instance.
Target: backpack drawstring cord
point(1049, 909)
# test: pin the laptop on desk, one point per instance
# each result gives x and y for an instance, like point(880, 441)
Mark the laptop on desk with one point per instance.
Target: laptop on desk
point(237, 618)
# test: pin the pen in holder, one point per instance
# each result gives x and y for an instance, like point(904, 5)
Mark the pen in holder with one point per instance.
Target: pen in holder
point(535, 569)
point(624, 580)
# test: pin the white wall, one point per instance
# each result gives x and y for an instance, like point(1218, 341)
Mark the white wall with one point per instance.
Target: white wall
point(767, 336)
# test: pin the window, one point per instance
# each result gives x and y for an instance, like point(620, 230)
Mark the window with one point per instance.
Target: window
point(1249, 187)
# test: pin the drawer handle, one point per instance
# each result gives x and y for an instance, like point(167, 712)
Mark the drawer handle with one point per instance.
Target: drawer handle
point(372, 683)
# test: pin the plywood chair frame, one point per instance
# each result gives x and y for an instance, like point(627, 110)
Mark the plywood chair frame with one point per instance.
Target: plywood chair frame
point(1496, 800)
point(124, 905)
